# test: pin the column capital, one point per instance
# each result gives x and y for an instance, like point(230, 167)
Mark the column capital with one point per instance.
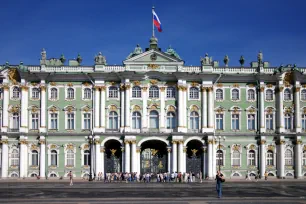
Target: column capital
point(24, 87)
point(299, 142)
point(184, 149)
point(262, 142)
point(5, 87)
point(138, 149)
point(210, 141)
point(97, 141)
point(181, 88)
point(133, 141)
point(42, 87)
point(203, 89)
point(4, 141)
point(42, 141)
point(210, 89)
point(102, 149)
point(23, 141)
point(174, 141)
point(297, 89)
point(262, 88)
point(282, 142)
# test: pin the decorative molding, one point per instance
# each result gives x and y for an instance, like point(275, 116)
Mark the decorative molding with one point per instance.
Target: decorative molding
point(153, 66)
point(219, 85)
point(194, 84)
point(70, 84)
point(136, 108)
point(136, 83)
point(52, 83)
point(153, 81)
point(236, 85)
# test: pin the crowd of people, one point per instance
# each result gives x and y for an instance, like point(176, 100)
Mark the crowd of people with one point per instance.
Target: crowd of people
point(149, 177)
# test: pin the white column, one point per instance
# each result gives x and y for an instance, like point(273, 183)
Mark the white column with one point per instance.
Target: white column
point(144, 109)
point(162, 108)
point(122, 104)
point(204, 109)
point(127, 156)
point(184, 159)
point(185, 116)
point(22, 157)
point(138, 150)
point(298, 159)
point(123, 159)
point(280, 108)
point(210, 159)
point(102, 150)
point(262, 108)
point(297, 108)
point(204, 172)
point(42, 164)
point(169, 159)
point(214, 162)
point(210, 108)
point(103, 100)
point(5, 156)
point(5, 107)
point(281, 156)
point(180, 156)
point(262, 158)
point(97, 108)
point(98, 155)
point(133, 156)
point(43, 107)
point(180, 108)
point(127, 108)
point(24, 109)
point(174, 156)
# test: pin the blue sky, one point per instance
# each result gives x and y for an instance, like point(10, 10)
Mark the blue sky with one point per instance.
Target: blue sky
point(114, 27)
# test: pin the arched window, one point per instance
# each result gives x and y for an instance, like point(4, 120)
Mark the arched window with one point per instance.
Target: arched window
point(171, 122)
point(270, 158)
point(53, 158)
point(269, 95)
point(303, 122)
point(87, 93)
point(86, 158)
point(304, 158)
point(53, 175)
point(288, 158)
point(14, 175)
point(154, 119)
point(269, 121)
point(136, 120)
point(35, 93)
point(53, 93)
point(194, 120)
point(219, 158)
point(154, 92)
point(303, 94)
point(170, 92)
point(70, 158)
point(251, 95)
point(113, 120)
point(236, 158)
point(235, 94)
point(16, 92)
point(136, 92)
point(34, 158)
point(251, 158)
point(219, 94)
point(15, 158)
point(113, 92)
point(287, 94)
point(194, 93)
point(70, 93)
point(33, 175)
point(288, 121)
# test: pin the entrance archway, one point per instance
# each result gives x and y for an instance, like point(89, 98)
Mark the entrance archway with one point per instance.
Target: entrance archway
point(194, 157)
point(112, 156)
point(153, 157)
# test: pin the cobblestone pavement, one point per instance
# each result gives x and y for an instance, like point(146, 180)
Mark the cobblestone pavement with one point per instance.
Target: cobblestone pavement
point(291, 192)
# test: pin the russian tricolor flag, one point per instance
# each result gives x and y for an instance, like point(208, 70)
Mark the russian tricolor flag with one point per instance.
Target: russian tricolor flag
point(156, 21)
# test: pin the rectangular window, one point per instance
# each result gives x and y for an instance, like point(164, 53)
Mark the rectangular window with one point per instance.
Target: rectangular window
point(251, 122)
point(304, 122)
point(235, 122)
point(35, 121)
point(53, 121)
point(269, 122)
point(288, 124)
point(70, 121)
point(219, 121)
point(87, 117)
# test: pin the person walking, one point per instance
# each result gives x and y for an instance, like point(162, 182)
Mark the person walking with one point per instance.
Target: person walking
point(200, 175)
point(266, 175)
point(70, 178)
point(219, 178)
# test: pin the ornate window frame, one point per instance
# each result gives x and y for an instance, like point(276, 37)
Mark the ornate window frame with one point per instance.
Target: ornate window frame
point(235, 110)
point(251, 110)
point(269, 110)
point(111, 108)
point(173, 90)
point(33, 147)
point(301, 91)
point(173, 109)
point(223, 149)
point(236, 147)
point(272, 148)
point(12, 110)
point(220, 110)
point(13, 147)
point(133, 89)
point(118, 92)
point(66, 93)
point(158, 118)
point(223, 94)
point(33, 110)
point(12, 93)
point(70, 110)
point(83, 147)
point(193, 108)
point(132, 116)
point(31, 92)
point(273, 94)
point(198, 90)
point(291, 94)
point(50, 93)
point(57, 149)
point(239, 94)
point(83, 93)
point(247, 94)
point(290, 111)
point(154, 96)
point(53, 109)
point(68, 147)
point(253, 147)
point(86, 110)
point(288, 148)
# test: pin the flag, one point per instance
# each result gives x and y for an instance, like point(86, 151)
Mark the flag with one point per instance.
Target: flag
point(156, 21)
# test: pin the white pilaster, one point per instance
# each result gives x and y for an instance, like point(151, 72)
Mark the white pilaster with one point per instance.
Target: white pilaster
point(181, 107)
point(174, 156)
point(169, 159)
point(24, 109)
point(184, 159)
point(262, 157)
point(210, 109)
point(162, 109)
point(204, 173)
point(5, 156)
point(103, 115)
point(97, 109)
point(122, 104)
point(262, 107)
point(281, 156)
point(42, 164)
point(298, 158)
point(214, 156)
point(210, 158)
point(180, 156)
point(297, 107)
point(123, 159)
point(281, 108)
point(133, 156)
point(5, 106)
point(42, 107)
point(185, 116)
point(204, 109)
point(127, 156)
point(23, 157)
point(102, 150)
point(98, 155)
point(138, 150)
point(144, 109)
point(127, 108)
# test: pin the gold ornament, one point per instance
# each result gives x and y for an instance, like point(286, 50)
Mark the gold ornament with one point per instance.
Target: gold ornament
point(136, 83)
point(210, 89)
point(194, 84)
point(171, 109)
point(34, 109)
point(70, 84)
point(262, 89)
point(43, 88)
point(153, 66)
point(236, 147)
point(136, 108)
point(86, 84)
point(263, 142)
point(70, 147)
point(113, 108)
point(194, 151)
point(13, 75)
point(297, 89)
point(154, 151)
point(52, 83)
point(113, 151)
point(194, 108)
point(162, 88)
point(219, 85)
point(236, 85)
point(144, 88)
point(153, 81)
point(269, 85)
point(203, 89)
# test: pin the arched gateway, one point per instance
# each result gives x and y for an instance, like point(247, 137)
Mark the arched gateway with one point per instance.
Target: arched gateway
point(194, 157)
point(112, 156)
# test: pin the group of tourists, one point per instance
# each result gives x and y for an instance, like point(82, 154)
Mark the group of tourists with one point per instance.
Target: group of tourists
point(149, 177)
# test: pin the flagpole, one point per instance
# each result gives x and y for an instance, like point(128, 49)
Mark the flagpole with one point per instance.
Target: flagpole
point(153, 21)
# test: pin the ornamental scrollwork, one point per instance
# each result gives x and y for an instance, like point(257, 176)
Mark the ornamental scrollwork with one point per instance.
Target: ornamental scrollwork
point(136, 83)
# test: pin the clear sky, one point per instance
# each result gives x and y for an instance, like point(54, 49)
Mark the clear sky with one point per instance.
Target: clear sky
point(192, 28)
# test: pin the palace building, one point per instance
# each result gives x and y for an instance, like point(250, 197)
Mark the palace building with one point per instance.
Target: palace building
point(153, 114)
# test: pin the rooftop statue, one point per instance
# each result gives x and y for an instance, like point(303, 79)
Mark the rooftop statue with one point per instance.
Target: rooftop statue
point(172, 52)
point(226, 60)
point(100, 59)
point(43, 56)
point(206, 60)
point(260, 57)
point(137, 51)
point(79, 59)
point(62, 59)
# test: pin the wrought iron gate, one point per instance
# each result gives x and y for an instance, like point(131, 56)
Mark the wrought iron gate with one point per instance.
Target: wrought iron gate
point(194, 162)
point(152, 161)
point(112, 162)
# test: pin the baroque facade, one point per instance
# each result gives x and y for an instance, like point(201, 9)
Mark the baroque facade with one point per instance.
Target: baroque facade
point(152, 114)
